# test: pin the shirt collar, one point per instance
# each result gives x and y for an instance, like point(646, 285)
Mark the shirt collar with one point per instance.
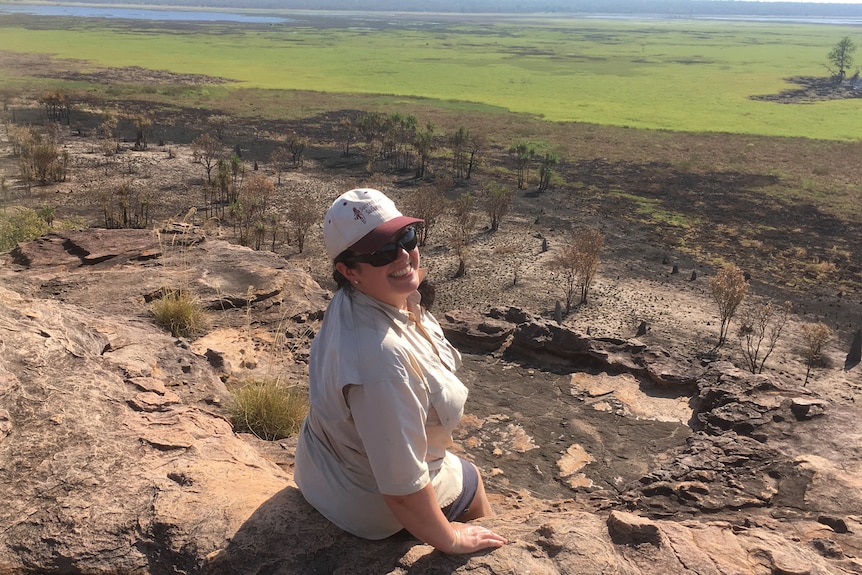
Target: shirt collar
point(397, 314)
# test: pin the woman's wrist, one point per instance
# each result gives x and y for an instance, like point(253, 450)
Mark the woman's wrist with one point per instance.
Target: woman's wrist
point(455, 540)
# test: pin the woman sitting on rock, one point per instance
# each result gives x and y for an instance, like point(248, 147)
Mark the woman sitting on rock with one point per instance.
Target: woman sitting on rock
point(372, 454)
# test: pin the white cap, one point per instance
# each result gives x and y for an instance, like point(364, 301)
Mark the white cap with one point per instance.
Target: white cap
point(364, 220)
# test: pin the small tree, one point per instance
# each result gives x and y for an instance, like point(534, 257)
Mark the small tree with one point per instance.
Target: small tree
point(302, 214)
point(579, 262)
point(22, 138)
point(406, 134)
point(423, 142)
point(546, 169)
point(841, 57)
point(760, 328)
point(107, 131)
point(728, 288)
point(496, 199)
point(40, 157)
point(250, 205)
point(370, 126)
point(207, 150)
point(125, 206)
point(475, 146)
point(524, 153)
point(345, 128)
point(591, 242)
point(815, 336)
point(280, 159)
point(48, 214)
point(218, 124)
point(297, 146)
point(237, 174)
point(56, 105)
point(458, 142)
point(142, 127)
point(274, 221)
point(428, 203)
point(565, 261)
point(259, 232)
point(465, 221)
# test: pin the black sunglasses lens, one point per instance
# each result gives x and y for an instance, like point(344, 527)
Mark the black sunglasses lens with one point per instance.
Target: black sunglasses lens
point(384, 256)
point(389, 253)
point(408, 240)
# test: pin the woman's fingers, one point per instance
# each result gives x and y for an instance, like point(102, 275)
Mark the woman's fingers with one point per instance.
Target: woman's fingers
point(472, 538)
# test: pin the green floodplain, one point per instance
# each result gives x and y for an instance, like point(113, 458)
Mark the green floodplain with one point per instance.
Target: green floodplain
point(679, 75)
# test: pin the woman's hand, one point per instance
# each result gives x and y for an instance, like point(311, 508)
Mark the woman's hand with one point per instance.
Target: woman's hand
point(471, 538)
point(419, 513)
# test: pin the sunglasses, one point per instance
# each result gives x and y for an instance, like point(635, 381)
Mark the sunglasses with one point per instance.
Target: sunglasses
point(389, 253)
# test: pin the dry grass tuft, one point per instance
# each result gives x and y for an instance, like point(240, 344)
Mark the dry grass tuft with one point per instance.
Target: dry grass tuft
point(180, 313)
point(268, 410)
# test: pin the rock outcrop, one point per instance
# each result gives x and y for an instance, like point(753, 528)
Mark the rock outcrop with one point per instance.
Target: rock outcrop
point(116, 456)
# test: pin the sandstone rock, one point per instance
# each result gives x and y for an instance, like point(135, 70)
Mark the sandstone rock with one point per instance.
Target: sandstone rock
point(547, 342)
point(470, 331)
point(116, 457)
point(104, 477)
point(755, 452)
point(124, 270)
point(631, 397)
point(73, 249)
point(571, 463)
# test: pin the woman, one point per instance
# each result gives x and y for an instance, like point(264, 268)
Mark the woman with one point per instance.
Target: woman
point(385, 400)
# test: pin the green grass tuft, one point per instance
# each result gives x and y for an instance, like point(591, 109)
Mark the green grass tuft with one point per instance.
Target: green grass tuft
point(180, 313)
point(268, 410)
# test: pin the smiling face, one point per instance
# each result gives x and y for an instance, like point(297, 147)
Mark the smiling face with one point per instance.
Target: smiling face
point(391, 283)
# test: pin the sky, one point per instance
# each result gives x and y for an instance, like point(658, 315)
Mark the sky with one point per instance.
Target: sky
point(816, 1)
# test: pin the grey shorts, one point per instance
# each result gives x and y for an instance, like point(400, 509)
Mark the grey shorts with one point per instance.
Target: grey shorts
point(471, 484)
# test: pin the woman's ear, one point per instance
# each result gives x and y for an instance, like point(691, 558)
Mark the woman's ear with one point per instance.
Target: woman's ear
point(348, 272)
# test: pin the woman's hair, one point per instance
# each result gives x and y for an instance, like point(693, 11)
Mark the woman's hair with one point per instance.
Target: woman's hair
point(428, 292)
point(345, 257)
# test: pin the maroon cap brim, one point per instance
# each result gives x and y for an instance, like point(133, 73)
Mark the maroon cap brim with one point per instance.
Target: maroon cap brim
point(382, 235)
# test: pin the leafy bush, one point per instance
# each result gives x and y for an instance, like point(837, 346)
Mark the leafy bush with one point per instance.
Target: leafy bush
point(48, 214)
point(20, 225)
point(728, 288)
point(267, 409)
point(761, 326)
point(180, 312)
point(578, 261)
point(815, 336)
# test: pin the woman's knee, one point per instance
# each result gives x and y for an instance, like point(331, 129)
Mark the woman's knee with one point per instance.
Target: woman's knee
point(480, 506)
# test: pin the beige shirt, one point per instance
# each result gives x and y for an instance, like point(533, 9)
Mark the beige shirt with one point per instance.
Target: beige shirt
point(384, 403)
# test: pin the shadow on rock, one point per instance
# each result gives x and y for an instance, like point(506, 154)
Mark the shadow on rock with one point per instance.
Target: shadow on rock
point(286, 536)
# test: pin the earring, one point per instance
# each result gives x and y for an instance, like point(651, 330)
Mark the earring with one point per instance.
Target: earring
point(355, 282)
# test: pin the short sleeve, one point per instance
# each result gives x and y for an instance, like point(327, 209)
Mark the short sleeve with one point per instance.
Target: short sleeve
point(390, 415)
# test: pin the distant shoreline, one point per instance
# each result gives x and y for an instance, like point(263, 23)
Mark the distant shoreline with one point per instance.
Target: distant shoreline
point(134, 11)
point(267, 11)
point(130, 12)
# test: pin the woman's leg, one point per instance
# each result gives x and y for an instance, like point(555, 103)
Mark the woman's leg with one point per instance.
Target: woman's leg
point(479, 507)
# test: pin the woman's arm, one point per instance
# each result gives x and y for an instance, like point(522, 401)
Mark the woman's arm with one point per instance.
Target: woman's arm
point(419, 513)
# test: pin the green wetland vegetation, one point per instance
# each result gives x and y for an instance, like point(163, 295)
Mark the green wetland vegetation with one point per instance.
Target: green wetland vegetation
point(655, 122)
point(679, 75)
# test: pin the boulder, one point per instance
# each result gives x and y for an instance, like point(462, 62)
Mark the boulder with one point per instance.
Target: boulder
point(469, 330)
point(117, 457)
point(547, 342)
